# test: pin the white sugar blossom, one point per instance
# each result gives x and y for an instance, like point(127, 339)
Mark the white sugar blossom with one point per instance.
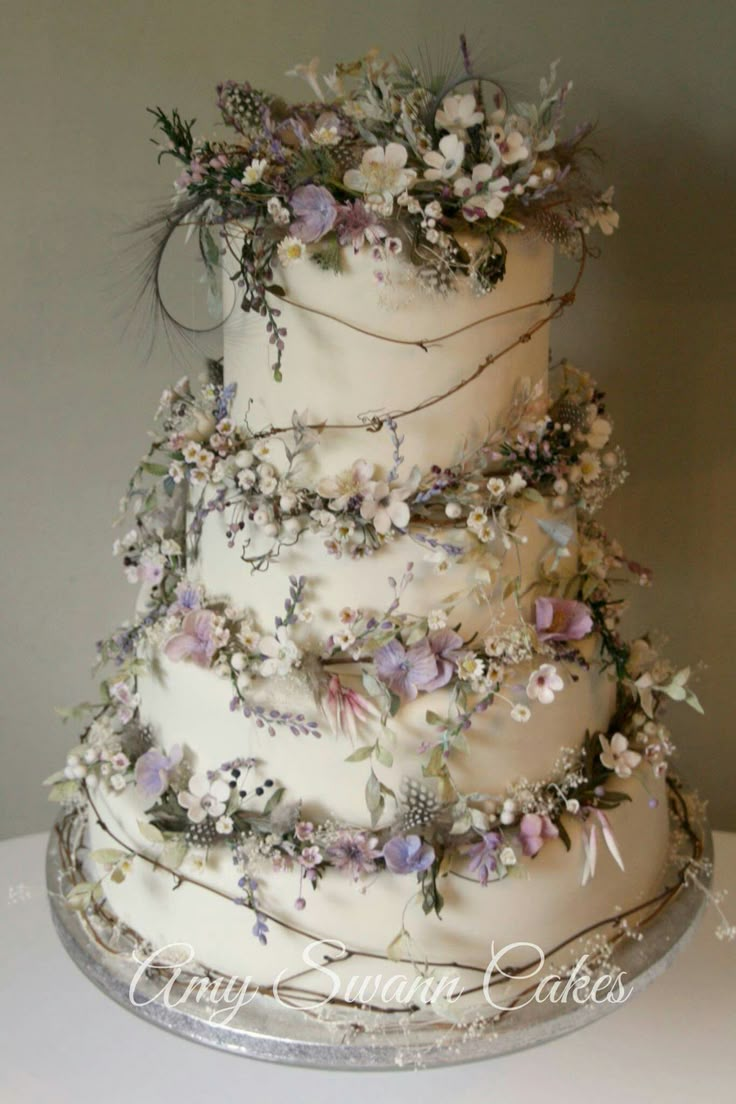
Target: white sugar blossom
point(436, 619)
point(602, 214)
point(254, 172)
point(224, 825)
point(496, 487)
point(386, 506)
point(598, 434)
point(507, 856)
point(278, 212)
point(291, 250)
point(482, 195)
point(470, 667)
point(280, 652)
point(516, 484)
point(590, 467)
point(349, 484)
point(382, 172)
point(618, 756)
point(204, 798)
point(176, 470)
point(446, 162)
point(544, 683)
point(521, 713)
point(513, 148)
point(458, 113)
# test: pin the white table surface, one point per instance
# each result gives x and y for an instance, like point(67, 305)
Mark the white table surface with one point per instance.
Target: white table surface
point(61, 1040)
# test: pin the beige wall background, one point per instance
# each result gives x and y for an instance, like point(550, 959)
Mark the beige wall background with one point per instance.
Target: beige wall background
point(654, 319)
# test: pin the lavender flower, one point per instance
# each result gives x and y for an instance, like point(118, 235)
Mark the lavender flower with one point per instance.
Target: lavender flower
point(444, 644)
point(153, 768)
point(408, 855)
point(406, 671)
point(316, 212)
point(561, 619)
point(534, 831)
point(483, 856)
point(355, 852)
point(198, 640)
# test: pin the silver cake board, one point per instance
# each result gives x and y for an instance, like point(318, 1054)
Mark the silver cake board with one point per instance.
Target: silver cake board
point(269, 1031)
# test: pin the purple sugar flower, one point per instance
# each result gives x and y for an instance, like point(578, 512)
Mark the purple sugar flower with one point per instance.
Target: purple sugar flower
point(406, 671)
point(357, 224)
point(561, 619)
point(355, 852)
point(316, 212)
point(408, 855)
point(445, 645)
point(188, 596)
point(152, 771)
point(483, 861)
point(534, 831)
point(196, 641)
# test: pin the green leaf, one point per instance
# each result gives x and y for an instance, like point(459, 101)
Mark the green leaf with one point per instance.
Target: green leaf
point(399, 947)
point(174, 853)
point(79, 896)
point(107, 855)
point(373, 797)
point(384, 756)
point(532, 494)
point(64, 791)
point(150, 832)
point(360, 754)
point(154, 469)
point(274, 799)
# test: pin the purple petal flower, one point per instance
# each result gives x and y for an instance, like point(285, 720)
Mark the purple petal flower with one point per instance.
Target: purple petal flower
point(445, 645)
point(406, 671)
point(316, 212)
point(408, 855)
point(357, 224)
point(195, 641)
point(153, 768)
point(561, 619)
point(534, 830)
point(482, 854)
point(355, 852)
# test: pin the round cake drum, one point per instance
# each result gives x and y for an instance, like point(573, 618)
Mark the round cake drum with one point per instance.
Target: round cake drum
point(638, 949)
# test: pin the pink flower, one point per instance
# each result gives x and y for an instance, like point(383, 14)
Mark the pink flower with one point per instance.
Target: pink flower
point(534, 830)
point(544, 683)
point(196, 641)
point(561, 619)
point(346, 708)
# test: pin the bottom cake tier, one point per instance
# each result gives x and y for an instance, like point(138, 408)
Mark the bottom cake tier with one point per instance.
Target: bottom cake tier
point(354, 936)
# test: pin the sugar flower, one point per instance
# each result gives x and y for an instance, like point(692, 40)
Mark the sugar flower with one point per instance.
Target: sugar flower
point(291, 250)
point(544, 683)
point(447, 162)
point(357, 225)
point(346, 709)
point(198, 640)
point(382, 172)
point(483, 196)
point(126, 701)
point(349, 484)
point(153, 769)
point(618, 756)
point(513, 148)
point(315, 210)
point(355, 852)
point(406, 671)
point(407, 855)
point(534, 831)
point(561, 619)
point(279, 652)
point(445, 645)
point(386, 506)
point(458, 114)
point(484, 856)
point(204, 798)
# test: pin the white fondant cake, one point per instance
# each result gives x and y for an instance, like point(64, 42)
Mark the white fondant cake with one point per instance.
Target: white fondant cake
point(375, 697)
point(337, 374)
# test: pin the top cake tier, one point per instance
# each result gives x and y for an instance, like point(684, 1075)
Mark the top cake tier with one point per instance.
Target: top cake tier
point(358, 348)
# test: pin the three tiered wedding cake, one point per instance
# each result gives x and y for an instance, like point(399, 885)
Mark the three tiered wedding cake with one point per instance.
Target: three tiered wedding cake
point(374, 709)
